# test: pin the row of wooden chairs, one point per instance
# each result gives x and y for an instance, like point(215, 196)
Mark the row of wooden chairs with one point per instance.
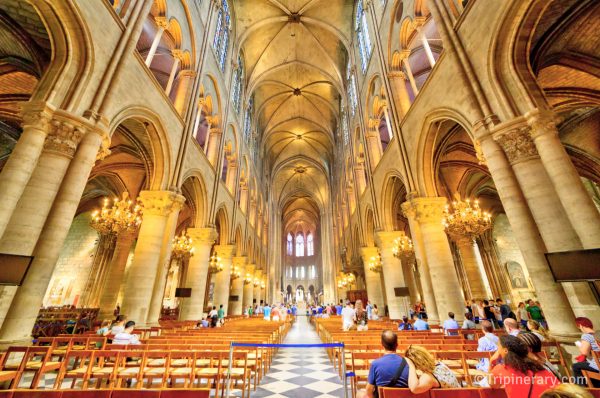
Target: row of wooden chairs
point(116, 393)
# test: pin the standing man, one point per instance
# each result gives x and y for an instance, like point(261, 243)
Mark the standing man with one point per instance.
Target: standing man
point(348, 315)
point(369, 309)
point(221, 314)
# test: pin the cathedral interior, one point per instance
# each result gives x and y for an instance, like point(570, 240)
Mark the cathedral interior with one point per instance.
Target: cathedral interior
point(165, 157)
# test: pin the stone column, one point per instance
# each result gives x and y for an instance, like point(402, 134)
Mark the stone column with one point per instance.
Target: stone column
point(257, 290)
point(554, 301)
point(164, 261)
point(142, 274)
point(447, 292)
point(203, 239)
point(411, 78)
point(108, 297)
point(576, 201)
point(249, 287)
point(177, 56)
point(24, 157)
point(223, 278)
point(472, 264)
point(373, 141)
point(212, 152)
point(25, 306)
point(410, 211)
point(237, 286)
point(372, 279)
point(393, 274)
point(544, 203)
point(162, 24)
point(183, 92)
point(398, 80)
point(25, 225)
point(409, 276)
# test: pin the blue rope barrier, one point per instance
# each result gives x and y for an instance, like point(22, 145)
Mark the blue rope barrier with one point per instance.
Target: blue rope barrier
point(330, 345)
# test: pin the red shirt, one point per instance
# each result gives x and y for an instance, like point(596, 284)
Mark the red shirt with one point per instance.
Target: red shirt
point(517, 384)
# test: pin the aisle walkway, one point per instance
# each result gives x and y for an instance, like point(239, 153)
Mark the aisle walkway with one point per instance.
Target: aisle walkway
point(300, 372)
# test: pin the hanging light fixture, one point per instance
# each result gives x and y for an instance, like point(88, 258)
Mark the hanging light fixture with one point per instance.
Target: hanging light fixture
point(465, 218)
point(403, 247)
point(182, 246)
point(375, 263)
point(215, 265)
point(256, 282)
point(123, 215)
point(248, 279)
point(235, 272)
point(262, 285)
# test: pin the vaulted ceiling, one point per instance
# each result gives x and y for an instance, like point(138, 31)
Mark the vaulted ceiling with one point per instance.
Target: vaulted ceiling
point(295, 54)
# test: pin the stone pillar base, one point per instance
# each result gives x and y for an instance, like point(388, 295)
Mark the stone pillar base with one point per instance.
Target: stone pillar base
point(26, 341)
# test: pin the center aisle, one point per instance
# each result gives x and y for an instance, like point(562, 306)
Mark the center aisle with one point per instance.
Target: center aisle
point(300, 372)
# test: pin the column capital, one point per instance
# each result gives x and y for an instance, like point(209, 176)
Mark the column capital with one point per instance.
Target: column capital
point(515, 139)
point(64, 134)
point(225, 251)
point(203, 236)
point(161, 203)
point(542, 122)
point(240, 261)
point(250, 268)
point(367, 252)
point(425, 210)
point(37, 114)
point(161, 22)
point(385, 239)
point(397, 74)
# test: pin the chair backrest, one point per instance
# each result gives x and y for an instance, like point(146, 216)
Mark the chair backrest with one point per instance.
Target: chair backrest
point(37, 394)
point(455, 393)
point(492, 393)
point(14, 358)
point(86, 393)
point(387, 392)
point(185, 393)
point(131, 393)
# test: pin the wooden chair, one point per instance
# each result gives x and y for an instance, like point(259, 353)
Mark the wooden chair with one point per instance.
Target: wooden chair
point(208, 365)
point(11, 368)
point(130, 393)
point(388, 392)
point(154, 366)
point(37, 360)
point(129, 367)
point(455, 393)
point(105, 367)
point(76, 365)
point(185, 393)
point(181, 366)
point(471, 359)
point(360, 363)
point(86, 393)
point(590, 377)
point(239, 372)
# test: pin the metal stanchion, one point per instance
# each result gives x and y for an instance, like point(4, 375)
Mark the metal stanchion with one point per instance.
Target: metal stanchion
point(344, 377)
point(228, 379)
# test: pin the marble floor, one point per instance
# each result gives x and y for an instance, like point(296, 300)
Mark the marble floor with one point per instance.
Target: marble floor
point(300, 372)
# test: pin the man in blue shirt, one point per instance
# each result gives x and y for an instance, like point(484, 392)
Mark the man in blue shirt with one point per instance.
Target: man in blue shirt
point(369, 309)
point(384, 369)
point(489, 343)
point(450, 325)
point(420, 323)
point(338, 309)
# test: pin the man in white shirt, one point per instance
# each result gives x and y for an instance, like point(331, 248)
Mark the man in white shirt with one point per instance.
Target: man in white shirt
point(348, 315)
point(450, 325)
point(125, 337)
point(511, 326)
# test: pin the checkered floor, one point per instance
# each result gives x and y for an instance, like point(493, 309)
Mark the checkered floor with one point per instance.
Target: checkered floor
point(300, 372)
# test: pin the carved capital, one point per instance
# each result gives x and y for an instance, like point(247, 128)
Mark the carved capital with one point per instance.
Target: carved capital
point(385, 239)
point(366, 252)
point(250, 268)
point(37, 115)
point(517, 144)
point(426, 210)
point(162, 22)
point(161, 203)
point(397, 75)
point(203, 236)
point(64, 136)
point(541, 123)
point(240, 262)
point(479, 152)
point(177, 54)
point(225, 251)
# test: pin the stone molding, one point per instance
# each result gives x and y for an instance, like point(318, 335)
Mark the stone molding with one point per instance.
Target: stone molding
point(202, 236)
point(160, 203)
point(397, 75)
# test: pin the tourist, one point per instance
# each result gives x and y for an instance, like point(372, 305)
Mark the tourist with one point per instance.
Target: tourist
point(275, 313)
point(567, 390)
point(505, 311)
point(125, 337)
point(522, 315)
point(426, 373)
point(104, 329)
point(543, 320)
point(361, 317)
point(469, 306)
point(348, 316)
point(479, 312)
point(587, 344)
point(486, 343)
point(369, 309)
point(391, 370)
point(214, 317)
point(266, 312)
point(538, 330)
point(421, 323)
point(221, 315)
point(489, 313)
point(511, 326)
point(534, 345)
point(118, 325)
point(535, 311)
point(469, 324)
point(518, 375)
point(405, 324)
point(338, 308)
point(450, 325)
point(375, 313)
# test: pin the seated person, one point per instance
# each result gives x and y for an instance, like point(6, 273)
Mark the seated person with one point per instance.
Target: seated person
point(516, 368)
point(511, 326)
point(450, 325)
point(538, 330)
point(425, 373)
point(487, 343)
point(391, 370)
point(125, 337)
point(118, 325)
point(420, 323)
point(468, 324)
point(405, 324)
point(534, 345)
point(104, 328)
point(587, 344)
point(567, 390)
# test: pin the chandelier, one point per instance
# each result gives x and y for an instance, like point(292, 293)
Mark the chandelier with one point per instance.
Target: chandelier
point(375, 263)
point(346, 279)
point(182, 246)
point(120, 217)
point(235, 272)
point(215, 265)
point(465, 218)
point(256, 283)
point(262, 285)
point(248, 279)
point(403, 247)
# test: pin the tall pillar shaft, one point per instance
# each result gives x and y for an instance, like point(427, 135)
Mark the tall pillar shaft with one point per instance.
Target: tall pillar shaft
point(214, 139)
point(410, 211)
point(249, 287)
point(372, 279)
point(257, 290)
point(472, 263)
point(411, 77)
point(398, 80)
point(556, 305)
point(237, 286)
point(28, 299)
point(116, 272)
point(393, 274)
point(142, 274)
point(162, 25)
point(203, 239)
point(223, 279)
point(447, 292)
